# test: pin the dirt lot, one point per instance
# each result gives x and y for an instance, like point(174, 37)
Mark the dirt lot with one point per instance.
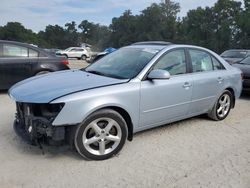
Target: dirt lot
point(77, 64)
point(196, 152)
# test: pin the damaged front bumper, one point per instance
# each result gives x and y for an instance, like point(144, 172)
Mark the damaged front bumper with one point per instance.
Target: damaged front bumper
point(33, 123)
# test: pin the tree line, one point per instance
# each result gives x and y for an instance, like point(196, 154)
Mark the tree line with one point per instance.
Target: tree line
point(222, 26)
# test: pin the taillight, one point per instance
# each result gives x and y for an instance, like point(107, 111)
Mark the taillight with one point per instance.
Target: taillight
point(65, 61)
point(242, 76)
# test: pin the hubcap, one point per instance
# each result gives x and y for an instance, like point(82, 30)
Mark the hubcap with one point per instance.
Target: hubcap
point(102, 136)
point(223, 105)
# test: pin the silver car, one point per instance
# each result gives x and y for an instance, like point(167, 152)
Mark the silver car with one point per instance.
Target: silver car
point(135, 88)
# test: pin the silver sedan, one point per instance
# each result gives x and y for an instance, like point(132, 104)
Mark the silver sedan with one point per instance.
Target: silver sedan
point(135, 88)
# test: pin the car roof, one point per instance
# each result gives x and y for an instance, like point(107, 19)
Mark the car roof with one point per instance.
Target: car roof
point(158, 43)
point(163, 45)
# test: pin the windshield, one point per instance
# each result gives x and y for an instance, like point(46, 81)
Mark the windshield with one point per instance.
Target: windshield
point(125, 63)
point(246, 61)
point(67, 49)
point(234, 54)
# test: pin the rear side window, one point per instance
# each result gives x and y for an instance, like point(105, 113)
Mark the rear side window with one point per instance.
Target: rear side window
point(10, 50)
point(33, 53)
point(174, 62)
point(201, 61)
point(217, 64)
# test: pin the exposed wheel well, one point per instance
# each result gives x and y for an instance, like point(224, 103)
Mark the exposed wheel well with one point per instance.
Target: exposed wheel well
point(233, 94)
point(126, 117)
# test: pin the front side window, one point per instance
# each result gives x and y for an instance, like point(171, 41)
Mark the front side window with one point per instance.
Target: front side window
point(10, 50)
point(201, 61)
point(174, 62)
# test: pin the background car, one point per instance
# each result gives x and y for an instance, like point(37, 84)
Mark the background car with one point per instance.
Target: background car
point(234, 56)
point(75, 52)
point(102, 54)
point(52, 51)
point(19, 61)
point(244, 66)
point(135, 88)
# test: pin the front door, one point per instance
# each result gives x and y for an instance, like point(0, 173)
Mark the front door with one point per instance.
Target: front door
point(15, 64)
point(163, 101)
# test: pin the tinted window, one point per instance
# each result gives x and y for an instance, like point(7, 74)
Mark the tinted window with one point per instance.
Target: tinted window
point(174, 62)
point(76, 50)
point(10, 50)
point(217, 64)
point(33, 53)
point(201, 61)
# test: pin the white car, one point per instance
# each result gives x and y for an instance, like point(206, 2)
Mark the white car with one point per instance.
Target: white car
point(75, 52)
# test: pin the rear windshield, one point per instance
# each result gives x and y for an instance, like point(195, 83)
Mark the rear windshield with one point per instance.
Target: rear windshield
point(234, 54)
point(246, 61)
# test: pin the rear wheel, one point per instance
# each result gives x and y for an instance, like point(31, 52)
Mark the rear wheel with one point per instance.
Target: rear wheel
point(222, 107)
point(101, 135)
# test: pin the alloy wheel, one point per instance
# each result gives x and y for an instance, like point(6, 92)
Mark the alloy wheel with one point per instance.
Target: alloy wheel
point(102, 136)
point(224, 105)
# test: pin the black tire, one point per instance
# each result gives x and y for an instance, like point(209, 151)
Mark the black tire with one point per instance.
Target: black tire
point(84, 57)
point(93, 150)
point(42, 72)
point(215, 112)
point(66, 56)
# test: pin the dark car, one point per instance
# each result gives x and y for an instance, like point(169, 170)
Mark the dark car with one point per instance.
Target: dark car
point(244, 66)
point(235, 56)
point(19, 61)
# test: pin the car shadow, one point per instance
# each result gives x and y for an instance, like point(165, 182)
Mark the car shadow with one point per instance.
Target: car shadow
point(245, 95)
point(45, 151)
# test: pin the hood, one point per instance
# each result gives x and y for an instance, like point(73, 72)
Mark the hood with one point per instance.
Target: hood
point(47, 87)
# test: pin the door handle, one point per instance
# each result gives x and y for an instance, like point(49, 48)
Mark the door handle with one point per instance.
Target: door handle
point(220, 79)
point(187, 85)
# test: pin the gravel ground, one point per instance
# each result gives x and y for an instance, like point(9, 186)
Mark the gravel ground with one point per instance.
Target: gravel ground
point(193, 153)
point(77, 64)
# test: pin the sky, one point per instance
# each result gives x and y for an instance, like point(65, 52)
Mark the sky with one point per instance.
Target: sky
point(37, 14)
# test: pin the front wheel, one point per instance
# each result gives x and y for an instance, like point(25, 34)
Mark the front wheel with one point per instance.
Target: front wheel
point(222, 107)
point(83, 57)
point(101, 135)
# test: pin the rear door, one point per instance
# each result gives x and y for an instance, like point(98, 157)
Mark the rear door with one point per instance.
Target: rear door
point(208, 79)
point(15, 64)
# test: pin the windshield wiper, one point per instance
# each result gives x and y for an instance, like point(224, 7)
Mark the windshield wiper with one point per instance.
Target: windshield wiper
point(96, 72)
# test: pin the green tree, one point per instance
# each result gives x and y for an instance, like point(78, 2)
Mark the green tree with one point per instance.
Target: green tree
point(17, 32)
point(123, 29)
point(94, 34)
point(243, 35)
point(55, 37)
point(71, 35)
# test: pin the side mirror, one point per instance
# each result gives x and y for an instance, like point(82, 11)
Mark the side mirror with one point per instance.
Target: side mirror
point(158, 74)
